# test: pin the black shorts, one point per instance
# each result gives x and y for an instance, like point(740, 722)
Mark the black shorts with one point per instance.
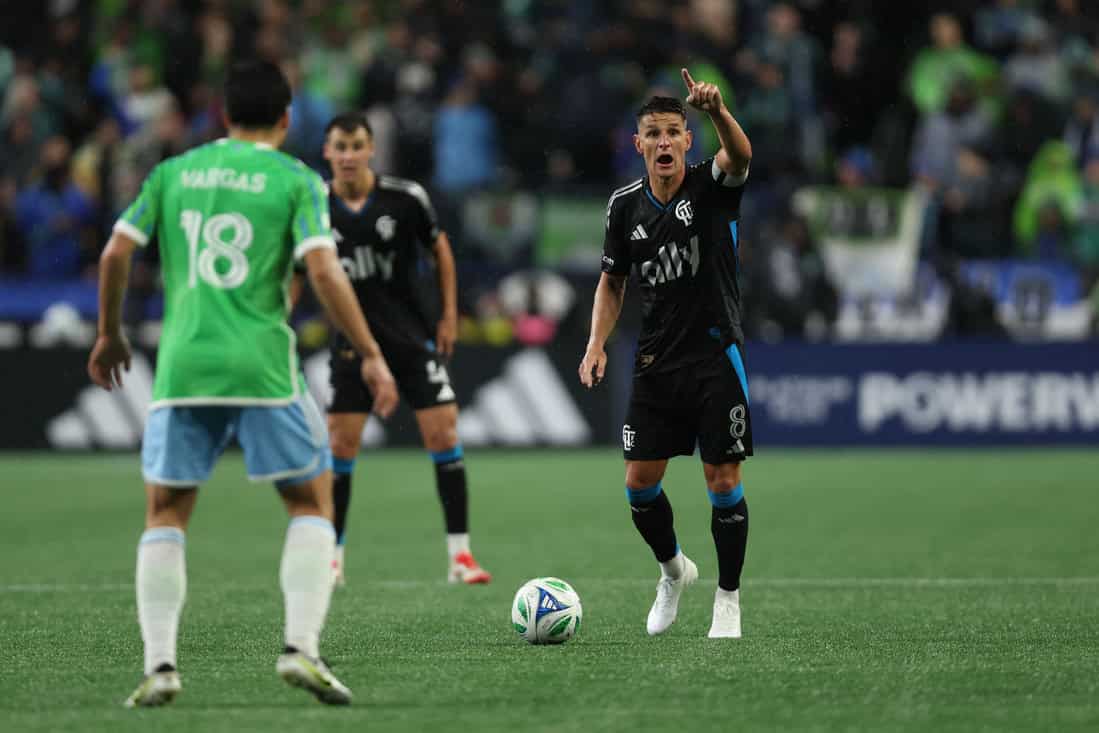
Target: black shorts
point(421, 376)
point(704, 403)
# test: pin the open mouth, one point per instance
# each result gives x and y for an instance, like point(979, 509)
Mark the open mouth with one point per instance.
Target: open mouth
point(665, 159)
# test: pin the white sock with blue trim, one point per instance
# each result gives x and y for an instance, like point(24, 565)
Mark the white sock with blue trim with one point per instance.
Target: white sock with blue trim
point(306, 576)
point(161, 585)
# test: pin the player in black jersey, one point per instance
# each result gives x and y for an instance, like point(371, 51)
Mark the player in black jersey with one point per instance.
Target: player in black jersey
point(677, 228)
point(387, 235)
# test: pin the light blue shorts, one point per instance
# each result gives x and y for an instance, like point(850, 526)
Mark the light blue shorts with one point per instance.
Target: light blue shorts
point(286, 444)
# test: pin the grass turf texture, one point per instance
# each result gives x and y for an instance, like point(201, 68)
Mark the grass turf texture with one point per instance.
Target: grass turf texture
point(884, 590)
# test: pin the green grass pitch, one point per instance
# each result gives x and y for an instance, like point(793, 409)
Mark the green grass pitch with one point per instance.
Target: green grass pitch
point(901, 590)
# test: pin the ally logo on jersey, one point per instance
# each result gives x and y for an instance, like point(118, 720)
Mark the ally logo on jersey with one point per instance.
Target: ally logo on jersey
point(673, 260)
point(366, 262)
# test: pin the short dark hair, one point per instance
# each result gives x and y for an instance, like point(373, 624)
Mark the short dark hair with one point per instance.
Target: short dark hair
point(349, 122)
point(256, 94)
point(656, 104)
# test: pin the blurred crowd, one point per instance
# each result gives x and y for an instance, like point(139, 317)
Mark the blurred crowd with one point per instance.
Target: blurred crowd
point(990, 106)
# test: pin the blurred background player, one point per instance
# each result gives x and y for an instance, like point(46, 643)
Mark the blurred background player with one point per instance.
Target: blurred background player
point(678, 225)
point(387, 234)
point(230, 217)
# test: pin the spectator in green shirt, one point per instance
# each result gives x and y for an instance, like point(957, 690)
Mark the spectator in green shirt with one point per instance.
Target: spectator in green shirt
point(1049, 204)
point(948, 58)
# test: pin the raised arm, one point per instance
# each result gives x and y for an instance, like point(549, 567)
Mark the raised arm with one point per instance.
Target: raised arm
point(736, 149)
point(609, 294)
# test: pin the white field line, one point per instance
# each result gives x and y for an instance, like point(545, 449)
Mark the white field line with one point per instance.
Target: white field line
point(809, 583)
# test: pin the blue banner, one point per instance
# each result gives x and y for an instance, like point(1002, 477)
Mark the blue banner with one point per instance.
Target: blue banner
point(1011, 281)
point(924, 394)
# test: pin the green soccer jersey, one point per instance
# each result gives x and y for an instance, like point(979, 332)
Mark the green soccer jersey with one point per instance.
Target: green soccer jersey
point(230, 218)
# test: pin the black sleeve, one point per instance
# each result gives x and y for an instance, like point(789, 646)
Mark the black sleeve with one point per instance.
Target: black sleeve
point(708, 182)
point(425, 220)
point(616, 249)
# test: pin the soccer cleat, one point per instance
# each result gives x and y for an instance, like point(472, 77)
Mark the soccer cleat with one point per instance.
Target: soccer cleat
point(666, 606)
point(464, 569)
point(726, 624)
point(312, 675)
point(158, 688)
point(338, 579)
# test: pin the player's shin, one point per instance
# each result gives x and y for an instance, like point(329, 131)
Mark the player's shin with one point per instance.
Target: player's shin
point(450, 482)
point(652, 515)
point(341, 494)
point(306, 580)
point(729, 526)
point(161, 584)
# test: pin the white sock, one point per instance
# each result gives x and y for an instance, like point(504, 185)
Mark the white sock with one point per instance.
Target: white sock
point(161, 584)
point(457, 544)
point(727, 595)
point(306, 575)
point(673, 568)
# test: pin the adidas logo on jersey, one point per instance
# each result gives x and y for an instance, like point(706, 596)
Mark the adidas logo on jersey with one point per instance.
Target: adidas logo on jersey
point(638, 233)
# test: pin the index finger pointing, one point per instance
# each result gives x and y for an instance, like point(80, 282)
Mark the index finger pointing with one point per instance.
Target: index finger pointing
point(687, 79)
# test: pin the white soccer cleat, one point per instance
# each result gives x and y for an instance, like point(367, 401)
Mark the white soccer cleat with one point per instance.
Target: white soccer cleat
point(464, 569)
point(668, 590)
point(338, 579)
point(313, 676)
point(158, 688)
point(726, 624)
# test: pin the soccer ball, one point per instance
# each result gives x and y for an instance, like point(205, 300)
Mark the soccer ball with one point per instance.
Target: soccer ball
point(546, 611)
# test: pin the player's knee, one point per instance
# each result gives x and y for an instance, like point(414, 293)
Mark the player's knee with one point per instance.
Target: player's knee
point(442, 438)
point(439, 427)
point(722, 485)
point(343, 445)
point(642, 477)
point(722, 479)
point(168, 507)
point(312, 497)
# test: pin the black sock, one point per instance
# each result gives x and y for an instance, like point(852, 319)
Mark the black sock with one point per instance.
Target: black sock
point(652, 515)
point(729, 526)
point(341, 500)
point(450, 481)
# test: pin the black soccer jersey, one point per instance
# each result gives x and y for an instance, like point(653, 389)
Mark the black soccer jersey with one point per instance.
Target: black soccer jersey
point(686, 258)
point(387, 250)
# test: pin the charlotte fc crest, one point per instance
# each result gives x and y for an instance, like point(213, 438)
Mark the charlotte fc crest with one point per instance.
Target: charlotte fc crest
point(386, 227)
point(684, 212)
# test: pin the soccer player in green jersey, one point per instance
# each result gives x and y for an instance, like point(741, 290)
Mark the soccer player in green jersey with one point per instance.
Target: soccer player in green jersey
point(230, 218)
